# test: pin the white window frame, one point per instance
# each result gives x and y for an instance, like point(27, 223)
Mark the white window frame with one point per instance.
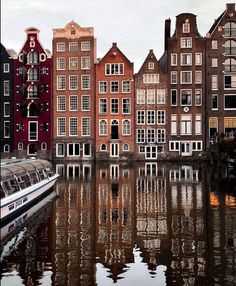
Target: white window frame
point(6, 67)
point(61, 85)
point(183, 81)
point(105, 130)
point(105, 99)
point(85, 134)
point(29, 132)
point(174, 77)
point(61, 46)
point(5, 114)
point(126, 131)
point(5, 128)
point(75, 99)
point(63, 133)
point(85, 63)
point(198, 77)
point(198, 59)
point(61, 104)
point(73, 63)
point(82, 103)
point(187, 57)
point(57, 148)
point(73, 82)
point(103, 87)
point(85, 46)
point(173, 59)
point(75, 125)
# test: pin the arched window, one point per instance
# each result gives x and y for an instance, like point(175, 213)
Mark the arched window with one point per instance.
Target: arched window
point(44, 146)
point(32, 149)
point(6, 148)
point(230, 47)
point(33, 58)
point(32, 91)
point(20, 146)
point(126, 127)
point(230, 65)
point(33, 74)
point(33, 110)
point(230, 29)
point(103, 147)
point(103, 127)
point(126, 147)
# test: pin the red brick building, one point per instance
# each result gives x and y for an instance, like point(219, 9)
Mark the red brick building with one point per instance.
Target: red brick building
point(32, 98)
point(74, 53)
point(114, 106)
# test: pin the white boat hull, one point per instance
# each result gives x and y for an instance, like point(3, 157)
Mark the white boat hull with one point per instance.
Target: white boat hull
point(17, 201)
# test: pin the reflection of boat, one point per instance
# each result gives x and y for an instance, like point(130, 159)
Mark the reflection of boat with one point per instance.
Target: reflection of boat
point(23, 181)
point(15, 230)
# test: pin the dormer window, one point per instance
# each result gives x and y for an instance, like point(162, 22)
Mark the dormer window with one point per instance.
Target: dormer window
point(186, 26)
point(72, 32)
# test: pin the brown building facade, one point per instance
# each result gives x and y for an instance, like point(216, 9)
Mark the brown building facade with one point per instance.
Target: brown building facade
point(74, 50)
point(114, 106)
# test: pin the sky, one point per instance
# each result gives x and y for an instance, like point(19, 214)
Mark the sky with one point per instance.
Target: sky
point(135, 25)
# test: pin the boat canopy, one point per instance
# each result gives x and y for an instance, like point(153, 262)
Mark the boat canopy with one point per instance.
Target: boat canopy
point(19, 168)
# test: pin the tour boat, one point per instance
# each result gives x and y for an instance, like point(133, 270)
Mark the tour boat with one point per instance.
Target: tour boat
point(22, 182)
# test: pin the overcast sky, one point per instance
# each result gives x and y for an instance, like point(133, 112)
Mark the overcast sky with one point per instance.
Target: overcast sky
point(136, 25)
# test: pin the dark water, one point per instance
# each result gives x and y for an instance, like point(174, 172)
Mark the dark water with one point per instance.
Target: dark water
point(142, 224)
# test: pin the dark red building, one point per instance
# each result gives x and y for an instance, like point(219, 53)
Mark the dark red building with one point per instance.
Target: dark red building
point(32, 98)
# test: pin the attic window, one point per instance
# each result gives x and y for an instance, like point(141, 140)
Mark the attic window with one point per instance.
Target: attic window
point(151, 65)
point(186, 26)
point(72, 32)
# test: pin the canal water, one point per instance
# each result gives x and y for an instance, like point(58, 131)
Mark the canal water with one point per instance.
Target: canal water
point(126, 224)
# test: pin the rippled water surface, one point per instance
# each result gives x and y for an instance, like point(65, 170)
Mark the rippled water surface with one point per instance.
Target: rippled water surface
point(142, 224)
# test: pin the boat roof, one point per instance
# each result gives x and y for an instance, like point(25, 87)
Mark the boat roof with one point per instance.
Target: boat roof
point(20, 167)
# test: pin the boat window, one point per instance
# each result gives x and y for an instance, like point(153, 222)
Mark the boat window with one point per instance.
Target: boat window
point(14, 186)
point(6, 186)
point(49, 171)
point(2, 193)
point(41, 174)
point(34, 178)
point(26, 179)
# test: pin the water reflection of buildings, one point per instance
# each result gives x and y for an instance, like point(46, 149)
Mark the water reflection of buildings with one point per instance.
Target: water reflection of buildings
point(151, 208)
point(74, 226)
point(187, 226)
point(115, 217)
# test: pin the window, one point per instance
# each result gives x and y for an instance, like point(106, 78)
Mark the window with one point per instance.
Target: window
point(173, 124)
point(173, 97)
point(198, 97)
point(43, 146)
point(33, 131)
point(85, 104)
point(229, 125)
point(85, 63)
point(186, 26)
point(61, 63)
point(73, 47)
point(33, 58)
point(186, 77)
point(214, 82)
point(161, 94)
point(173, 59)
point(126, 127)
point(72, 32)
point(6, 109)
point(230, 29)
point(85, 46)
point(161, 117)
point(114, 86)
point(103, 147)
point(174, 77)
point(186, 97)
point(214, 62)
point(150, 135)
point(61, 103)
point(6, 129)
point(214, 44)
point(61, 82)
point(102, 86)
point(150, 96)
point(20, 146)
point(32, 91)
point(186, 59)
point(126, 86)
point(103, 127)
point(198, 59)
point(73, 82)
point(230, 101)
point(230, 47)
point(33, 74)
point(140, 135)
point(73, 126)
point(186, 42)
point(126, 147)
point(85, 82)
point(161, 135)
point(6, 68)
point(20, 126)
point(73, 149)
point(213, 126)
point(140, 116)
point(174, 146)
point(114, 106)
point(73, 63)
point(6, 87)
point(33, 109)
point(6, 148)
point(61, 47)
point(198, 77)
point(85, 126)
point(214, 101)
point(102, 106)
point(230, 81)
point(73, 103)
point(61, 126)
point(115, 69)
point(186, 125)
point(198, 124)
point(151, 152)
point(151, 65)
point(150, 117)
point(230, 65)
point(140, 96)
point(151, 78)
point(126, 105)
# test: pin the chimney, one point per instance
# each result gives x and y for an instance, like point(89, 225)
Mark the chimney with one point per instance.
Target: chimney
point(167, 31)
point(230, 7)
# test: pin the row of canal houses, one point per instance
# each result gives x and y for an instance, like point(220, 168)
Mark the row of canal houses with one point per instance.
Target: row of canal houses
point(70, 105)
